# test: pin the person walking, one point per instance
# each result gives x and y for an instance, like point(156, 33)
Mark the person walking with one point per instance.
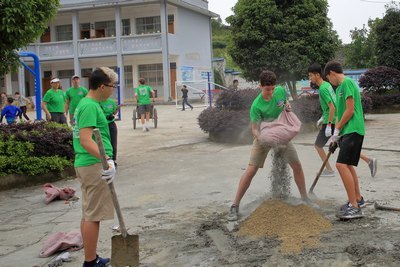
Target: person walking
point(10, 111)
point(53, 103)
point(142, 94)
point(22, 102)
point(110, 108)
point(267, 106)
point(73, 95)
point(349, 134)
point(97, 204)
point(327, 99)
point(185, 92)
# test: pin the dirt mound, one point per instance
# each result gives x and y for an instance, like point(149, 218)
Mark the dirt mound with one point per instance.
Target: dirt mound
point(298, 227)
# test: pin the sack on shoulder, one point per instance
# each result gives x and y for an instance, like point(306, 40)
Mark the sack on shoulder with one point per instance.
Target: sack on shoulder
point(281, 130)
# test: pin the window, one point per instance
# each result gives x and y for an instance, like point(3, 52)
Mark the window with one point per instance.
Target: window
point(153, 74)
point(148, 25)
point(128, 77)
point(65, 74)
point(104, 28)
point(86, 72)
point(64, 32)
point(85, 30)
point(126, 27)
point(45, 38)
point(171, 28)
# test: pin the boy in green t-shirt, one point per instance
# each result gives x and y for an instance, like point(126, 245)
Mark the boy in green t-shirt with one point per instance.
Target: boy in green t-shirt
point(97, 204)
point(349, 134)
point(110, 108)
point(327, 99)
point(73, 95)
point(267, 106)
point(142, 94)
point(53, 103)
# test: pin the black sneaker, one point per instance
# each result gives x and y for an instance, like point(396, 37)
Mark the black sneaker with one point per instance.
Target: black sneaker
point(233, 213)
point(373, 166)
point(100, 262)
point(350, 212)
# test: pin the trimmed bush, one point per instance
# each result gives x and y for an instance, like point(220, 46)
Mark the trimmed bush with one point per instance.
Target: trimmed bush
point(380, 80)
point(34, 149)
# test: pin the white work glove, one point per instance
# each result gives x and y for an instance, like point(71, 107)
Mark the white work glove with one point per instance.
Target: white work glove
point(109, 175)
point(319, 122)
point(328, 130)
point(336, 136)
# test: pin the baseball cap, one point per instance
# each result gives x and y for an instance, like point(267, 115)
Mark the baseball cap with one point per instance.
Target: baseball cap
point(75, 76)
point(55, 80)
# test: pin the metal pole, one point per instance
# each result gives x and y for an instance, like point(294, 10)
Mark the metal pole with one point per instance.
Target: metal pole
point(36, 73)
point(119, 93)
point(209, 88)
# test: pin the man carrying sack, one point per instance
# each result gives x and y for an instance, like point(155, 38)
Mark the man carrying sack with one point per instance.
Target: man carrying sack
point(267, 106)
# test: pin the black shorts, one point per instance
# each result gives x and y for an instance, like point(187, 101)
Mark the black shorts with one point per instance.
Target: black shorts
point(58, 117)
point(144, 108)
point(321, 138)
point(350, 149)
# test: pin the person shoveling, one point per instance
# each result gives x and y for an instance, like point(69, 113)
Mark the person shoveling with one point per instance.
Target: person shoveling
point(270, 105)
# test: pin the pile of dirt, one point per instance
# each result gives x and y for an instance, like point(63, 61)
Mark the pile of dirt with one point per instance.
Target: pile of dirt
point(298, 227)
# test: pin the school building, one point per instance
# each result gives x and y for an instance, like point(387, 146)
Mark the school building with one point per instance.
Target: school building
point(162, 41)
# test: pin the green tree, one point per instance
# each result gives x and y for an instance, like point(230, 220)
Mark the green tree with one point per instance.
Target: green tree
point(388, 37)
point(284, 36)
point(361, 52)
point(21, 22)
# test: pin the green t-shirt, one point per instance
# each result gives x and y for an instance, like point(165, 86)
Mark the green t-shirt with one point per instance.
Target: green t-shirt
point(326, 96)
point(263, 110)
point(109, 106)
point(74, 95)
point(348, 88)
point(144, 93)
point(55, 100)
point(88, 114)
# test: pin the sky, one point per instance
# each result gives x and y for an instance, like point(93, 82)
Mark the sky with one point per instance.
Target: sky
point(344, 14)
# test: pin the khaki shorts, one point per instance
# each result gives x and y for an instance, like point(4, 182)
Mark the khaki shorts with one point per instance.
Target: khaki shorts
point(259, 154)
point(97, 202)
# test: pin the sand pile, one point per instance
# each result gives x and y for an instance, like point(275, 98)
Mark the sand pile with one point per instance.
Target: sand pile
point(298, 227)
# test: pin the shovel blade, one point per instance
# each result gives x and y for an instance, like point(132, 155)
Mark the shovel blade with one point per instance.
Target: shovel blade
point(125, 251)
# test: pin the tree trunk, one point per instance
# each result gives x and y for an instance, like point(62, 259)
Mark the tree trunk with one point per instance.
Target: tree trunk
point(292, 89)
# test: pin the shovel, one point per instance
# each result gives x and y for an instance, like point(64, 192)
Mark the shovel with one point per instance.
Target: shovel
point(332, 148)
point(125, 247)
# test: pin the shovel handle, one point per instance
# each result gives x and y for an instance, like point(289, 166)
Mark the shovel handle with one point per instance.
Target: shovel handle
point(319, 172)
point(99, 142)
point(381, 207)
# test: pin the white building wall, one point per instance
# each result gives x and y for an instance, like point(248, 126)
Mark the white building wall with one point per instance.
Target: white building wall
point(191, 42)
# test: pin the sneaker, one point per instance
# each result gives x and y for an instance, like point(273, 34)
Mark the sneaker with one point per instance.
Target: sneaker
point(147, 129)
point(100, 262)
point(327, 173)
point(361, 203)
point(373, 166)
point(233, 213)
point(144, 129)
point(350, 212)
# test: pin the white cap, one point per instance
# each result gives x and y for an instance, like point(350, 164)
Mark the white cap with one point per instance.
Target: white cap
point(55, 80)
point(75, 76)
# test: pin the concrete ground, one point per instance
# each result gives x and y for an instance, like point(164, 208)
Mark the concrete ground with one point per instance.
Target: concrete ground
point(174, 184)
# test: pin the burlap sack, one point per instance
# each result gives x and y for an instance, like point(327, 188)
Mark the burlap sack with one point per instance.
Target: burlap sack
point(281, 130)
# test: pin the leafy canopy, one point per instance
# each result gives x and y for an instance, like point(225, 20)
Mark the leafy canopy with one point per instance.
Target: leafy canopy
point(388, 37)
point(284, 36)
point(21, 22)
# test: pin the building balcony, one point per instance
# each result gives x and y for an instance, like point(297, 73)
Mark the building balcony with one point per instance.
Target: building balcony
point(132, 44)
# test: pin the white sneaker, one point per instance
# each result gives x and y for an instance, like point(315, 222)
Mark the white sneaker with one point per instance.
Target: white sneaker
point(144, 129)
point(327, 173)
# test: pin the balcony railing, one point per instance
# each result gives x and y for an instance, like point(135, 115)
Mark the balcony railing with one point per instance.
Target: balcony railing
point(132, 44)
point(141, 43)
